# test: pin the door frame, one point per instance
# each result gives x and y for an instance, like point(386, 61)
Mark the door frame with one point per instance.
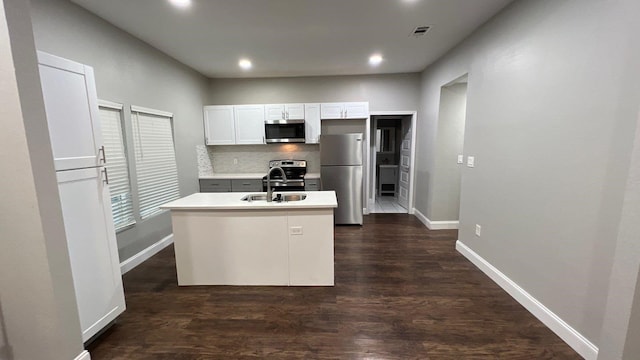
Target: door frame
point(370, 193)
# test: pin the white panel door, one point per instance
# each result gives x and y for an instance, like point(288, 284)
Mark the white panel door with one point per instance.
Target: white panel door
point(219, 125)
point(294, 111)
point(93, 252)
point(405, 167)
point(331, 110)
point(249, 124)
point(312, 127)
point(274, 112)
point(71, 106)
point(356, 110)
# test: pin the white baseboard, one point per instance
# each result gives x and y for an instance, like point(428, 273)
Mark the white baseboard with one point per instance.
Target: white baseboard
point(145, 254)
point(572, 337)
point(83, 356)
point(435, 225)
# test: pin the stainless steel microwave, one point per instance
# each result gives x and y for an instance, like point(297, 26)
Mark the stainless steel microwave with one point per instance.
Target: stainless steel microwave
point(284, 131)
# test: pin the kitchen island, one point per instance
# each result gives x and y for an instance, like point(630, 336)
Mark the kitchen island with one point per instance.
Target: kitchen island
point(221, 239)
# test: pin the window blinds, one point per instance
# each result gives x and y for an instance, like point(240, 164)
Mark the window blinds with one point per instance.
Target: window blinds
point(156, 170)
point(117, 167)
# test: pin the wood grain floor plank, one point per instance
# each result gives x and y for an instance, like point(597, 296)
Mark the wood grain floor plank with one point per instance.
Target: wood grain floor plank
point(402, 292)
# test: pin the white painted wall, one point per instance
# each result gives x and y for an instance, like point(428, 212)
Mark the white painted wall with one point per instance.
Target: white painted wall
point(131, 72)
point(550, 118)
point(38, 314)
point(449, 143)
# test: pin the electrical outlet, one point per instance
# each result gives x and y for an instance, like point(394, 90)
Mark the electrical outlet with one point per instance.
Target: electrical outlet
point(478, 230)
point(471, 161)
point(460, 159)
point(295, 230)
point(235, 161)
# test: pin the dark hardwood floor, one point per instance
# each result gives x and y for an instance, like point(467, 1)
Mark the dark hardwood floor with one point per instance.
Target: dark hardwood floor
point(402, 292)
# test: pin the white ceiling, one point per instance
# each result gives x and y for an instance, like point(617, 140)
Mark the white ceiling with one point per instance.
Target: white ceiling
point(299, 37)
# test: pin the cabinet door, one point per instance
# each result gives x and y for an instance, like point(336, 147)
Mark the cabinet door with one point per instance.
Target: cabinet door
point(294, 111)
point(311, 247)
point(91, 241)
point(312, 123)
point(219, 125)
point(356, 110)
point(274, 112)
point(71, 106)
point(331, 110)
point(249, 124)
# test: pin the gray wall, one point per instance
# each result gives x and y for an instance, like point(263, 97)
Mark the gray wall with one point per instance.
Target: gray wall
point(621, 328)
point(550, 118)
point(445, 205)
point(130, 72)
point(384, 92)
point(38, 312)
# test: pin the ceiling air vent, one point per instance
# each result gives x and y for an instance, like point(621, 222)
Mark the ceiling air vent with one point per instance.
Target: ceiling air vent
point(420, 30)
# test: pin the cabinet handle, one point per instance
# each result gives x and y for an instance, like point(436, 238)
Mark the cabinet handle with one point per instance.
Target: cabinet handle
point(283, 114)
point(345, 113)
point(106, 176)
point(341, 115)
point(287, 115)
point(104, 155)
point(246, 184)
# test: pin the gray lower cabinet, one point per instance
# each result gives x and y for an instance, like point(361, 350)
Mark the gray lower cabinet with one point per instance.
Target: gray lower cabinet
point(312, 184)
point(230, 185)
point(246, 185)
point(215, 185)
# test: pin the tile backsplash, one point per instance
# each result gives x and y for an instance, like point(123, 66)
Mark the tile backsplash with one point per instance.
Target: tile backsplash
point(253, 158)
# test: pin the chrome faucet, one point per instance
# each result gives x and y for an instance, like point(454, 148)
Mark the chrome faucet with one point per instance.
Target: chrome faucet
point(284, 179)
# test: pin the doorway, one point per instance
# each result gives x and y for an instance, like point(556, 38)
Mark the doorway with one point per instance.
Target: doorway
point(450, 157)
point(391, 155)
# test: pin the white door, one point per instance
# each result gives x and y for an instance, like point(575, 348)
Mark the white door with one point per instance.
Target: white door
point(93, 252)
point(249, 124)
point(405, 167)
point(331, 110)
point(71, 106)
point(294, 111)
point(219, 125)
point(274, 112)
point(356, 110)
point(312, 123)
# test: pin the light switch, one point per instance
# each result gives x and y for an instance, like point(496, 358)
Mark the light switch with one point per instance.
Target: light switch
point(471, 161)
point(235, 161)
point(460, 159)
point(478, 230)
point(295, 230)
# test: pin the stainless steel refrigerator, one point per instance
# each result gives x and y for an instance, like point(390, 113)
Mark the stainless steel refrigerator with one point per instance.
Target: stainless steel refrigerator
point(341, 171)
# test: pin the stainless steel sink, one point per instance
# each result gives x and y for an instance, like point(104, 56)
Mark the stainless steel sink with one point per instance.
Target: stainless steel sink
point(255, 197)
point(293, 197)
point(283, 197)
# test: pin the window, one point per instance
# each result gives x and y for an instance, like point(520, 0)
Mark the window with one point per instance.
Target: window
point(117, 167)
point(156, 169)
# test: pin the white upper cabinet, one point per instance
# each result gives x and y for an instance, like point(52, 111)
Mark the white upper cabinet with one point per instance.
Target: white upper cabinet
point(349, 110)
point(249, 121)
point(284, 112)
point(219, 125)
point(312, 123)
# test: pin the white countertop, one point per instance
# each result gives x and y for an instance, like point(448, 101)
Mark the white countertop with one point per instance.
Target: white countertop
point(231, 201)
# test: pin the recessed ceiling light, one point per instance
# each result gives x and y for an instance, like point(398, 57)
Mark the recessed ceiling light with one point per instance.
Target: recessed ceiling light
point(180, 3)
point(245, 64)
point(375, 59)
